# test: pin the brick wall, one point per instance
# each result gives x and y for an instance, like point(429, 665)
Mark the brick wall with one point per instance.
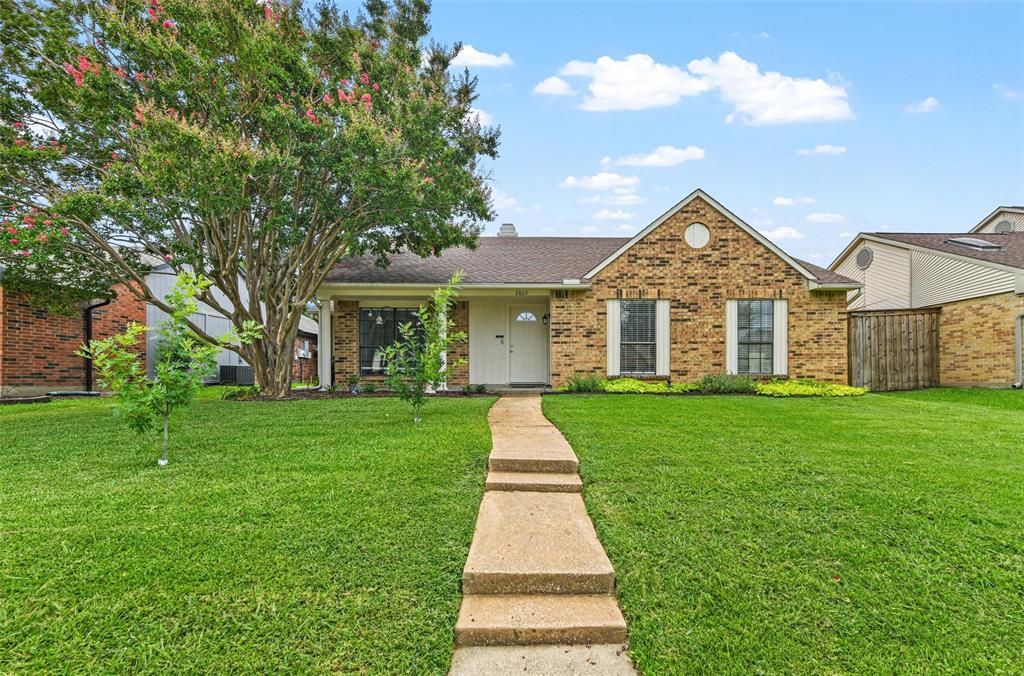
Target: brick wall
point(37, 347)
point(304, 368)
point(698, 282)
point(345, 339)
point(976, 340)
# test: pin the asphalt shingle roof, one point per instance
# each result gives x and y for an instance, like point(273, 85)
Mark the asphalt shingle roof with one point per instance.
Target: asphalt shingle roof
point(496, 260)
point(1011, 252)
point(503, 260)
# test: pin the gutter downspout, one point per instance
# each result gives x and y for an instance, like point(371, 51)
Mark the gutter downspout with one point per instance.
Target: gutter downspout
point(87, 318)
point(1019, 351)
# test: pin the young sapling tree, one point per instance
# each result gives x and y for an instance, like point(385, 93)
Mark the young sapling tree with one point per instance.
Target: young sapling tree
point(417, 361)
point(183, 361)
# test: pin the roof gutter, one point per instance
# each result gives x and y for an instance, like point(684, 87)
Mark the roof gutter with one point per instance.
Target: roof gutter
point(834, 286)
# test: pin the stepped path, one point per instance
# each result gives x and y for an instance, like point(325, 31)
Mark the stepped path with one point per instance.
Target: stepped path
point(538, 588)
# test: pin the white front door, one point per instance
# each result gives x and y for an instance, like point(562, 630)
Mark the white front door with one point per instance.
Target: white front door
point(528, 345)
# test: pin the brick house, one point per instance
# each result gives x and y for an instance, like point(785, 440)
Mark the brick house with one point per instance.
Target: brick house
point(974, 279)
point(698, 291)
point(37, 347)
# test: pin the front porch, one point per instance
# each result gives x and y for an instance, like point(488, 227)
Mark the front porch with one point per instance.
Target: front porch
point(508, 346)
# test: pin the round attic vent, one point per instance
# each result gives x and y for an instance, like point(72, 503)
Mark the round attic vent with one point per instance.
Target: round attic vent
point(864, 258)
point(1004, 227)
point(697, 235)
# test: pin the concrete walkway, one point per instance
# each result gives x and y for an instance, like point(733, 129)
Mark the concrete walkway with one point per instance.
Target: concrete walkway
point(539, 590)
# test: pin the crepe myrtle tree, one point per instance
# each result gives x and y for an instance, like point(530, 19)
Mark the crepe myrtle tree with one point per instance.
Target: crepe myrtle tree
point(182, 362)
point(234, 140)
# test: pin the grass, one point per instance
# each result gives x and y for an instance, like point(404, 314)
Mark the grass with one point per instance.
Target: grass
point(882, 533)
point(284, 536)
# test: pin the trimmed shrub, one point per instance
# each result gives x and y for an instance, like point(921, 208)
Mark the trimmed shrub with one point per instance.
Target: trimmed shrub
point(727, 384)
point(584, 383)
point(805, 387)
point(634, 386)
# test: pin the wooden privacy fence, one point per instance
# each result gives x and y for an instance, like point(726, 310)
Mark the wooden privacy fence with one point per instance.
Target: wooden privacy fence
point(894, 349)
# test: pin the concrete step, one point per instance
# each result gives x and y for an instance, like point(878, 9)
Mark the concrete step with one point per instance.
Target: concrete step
point(531, 449)
point(541, 482)
point(535, 543)
point(542, 660)
point(539, 619)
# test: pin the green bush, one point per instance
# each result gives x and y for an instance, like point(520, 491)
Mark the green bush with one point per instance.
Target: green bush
point(584, 383)
point(727, 384)
point(805, 387)
point(634, 386)
point(474, 389)
point(369, 388)
point(240, 393)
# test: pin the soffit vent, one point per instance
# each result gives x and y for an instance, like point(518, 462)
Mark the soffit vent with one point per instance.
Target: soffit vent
point(1004, 227)
point(864, 258)
point(974, 243)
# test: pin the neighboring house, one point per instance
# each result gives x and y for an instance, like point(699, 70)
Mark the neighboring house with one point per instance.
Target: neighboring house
point(975, 278)
point(696, 292)
point(37, 347)
point(304, 369)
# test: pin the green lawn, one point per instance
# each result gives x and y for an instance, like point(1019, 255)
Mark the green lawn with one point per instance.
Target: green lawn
point(882, 533)
point(285, 536)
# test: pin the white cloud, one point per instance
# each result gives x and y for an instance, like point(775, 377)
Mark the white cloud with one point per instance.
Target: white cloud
point(823, 149)
point(662, 156)
point(611, 215)
point(765, 35)
point(790, 201)
point(590, 228)
point(634, 83)
point(626, 226)
point(604, 180)
point(815, 257)
point(483, 117)
point(471, 56)
point(770, 97)
point(1007, 93)
point(503, 200)
point(825, 217)
point(553, 86)
point(928, 105)
point(783, 232)
point(845, 235)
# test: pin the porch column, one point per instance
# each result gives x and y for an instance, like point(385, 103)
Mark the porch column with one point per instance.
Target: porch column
point(325, 351)
point(443, 386)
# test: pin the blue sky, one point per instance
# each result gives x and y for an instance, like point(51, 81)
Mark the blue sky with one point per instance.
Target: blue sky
point(910, 116)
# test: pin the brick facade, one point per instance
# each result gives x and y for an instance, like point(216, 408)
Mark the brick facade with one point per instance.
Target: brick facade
point(37, 347)
point(977, 340)
point(733, 265)
point(345, 339)
point(304, 368)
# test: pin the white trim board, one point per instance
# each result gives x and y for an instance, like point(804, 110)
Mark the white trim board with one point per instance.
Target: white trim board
point(728, 214)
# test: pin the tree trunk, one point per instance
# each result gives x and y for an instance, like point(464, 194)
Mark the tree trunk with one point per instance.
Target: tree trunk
point(163, 458)
point(271, 366)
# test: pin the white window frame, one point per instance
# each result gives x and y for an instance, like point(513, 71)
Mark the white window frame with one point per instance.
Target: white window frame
point(662, 333)
point(780, 335)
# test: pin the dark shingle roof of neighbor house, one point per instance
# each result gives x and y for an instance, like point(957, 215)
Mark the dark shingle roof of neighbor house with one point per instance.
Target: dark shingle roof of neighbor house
point(503, 260)
point(1011, 251)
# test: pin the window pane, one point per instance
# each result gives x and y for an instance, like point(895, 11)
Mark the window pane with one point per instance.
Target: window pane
point(378, 328)
point(637, 336)
point(755, 324)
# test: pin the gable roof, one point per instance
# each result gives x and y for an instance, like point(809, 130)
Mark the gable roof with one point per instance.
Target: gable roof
point(496, 260)
point(1010, 254)
point(547, 261)
point(794, 263)
point(984, 221)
